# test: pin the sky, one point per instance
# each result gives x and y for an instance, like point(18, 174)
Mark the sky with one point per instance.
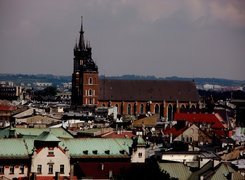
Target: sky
point(186, 38)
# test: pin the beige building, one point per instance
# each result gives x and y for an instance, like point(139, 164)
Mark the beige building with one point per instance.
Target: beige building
point(138, 154)
point(49, 158)
point(193, 135)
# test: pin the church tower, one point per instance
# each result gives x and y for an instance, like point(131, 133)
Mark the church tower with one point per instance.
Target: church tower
point(85, 79)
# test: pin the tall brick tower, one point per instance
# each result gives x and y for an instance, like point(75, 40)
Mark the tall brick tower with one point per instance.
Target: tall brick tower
point(85, 79)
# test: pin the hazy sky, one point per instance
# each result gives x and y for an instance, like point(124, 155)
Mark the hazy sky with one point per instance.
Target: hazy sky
point(188, 38)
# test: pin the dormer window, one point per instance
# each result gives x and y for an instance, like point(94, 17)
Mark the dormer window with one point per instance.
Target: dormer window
point(90, 80)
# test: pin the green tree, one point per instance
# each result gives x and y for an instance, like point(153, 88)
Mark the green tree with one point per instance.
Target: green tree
point(50, 91)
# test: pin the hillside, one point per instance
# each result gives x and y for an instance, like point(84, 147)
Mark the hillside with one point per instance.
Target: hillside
point(56, 80)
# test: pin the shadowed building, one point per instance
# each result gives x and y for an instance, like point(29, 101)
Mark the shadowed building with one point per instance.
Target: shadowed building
point(164, 97)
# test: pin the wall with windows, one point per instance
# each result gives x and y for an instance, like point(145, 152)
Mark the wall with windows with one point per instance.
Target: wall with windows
point(49, 160)
point(14, 168)
point(193, 135)
point(165, 109)
point(90, 88)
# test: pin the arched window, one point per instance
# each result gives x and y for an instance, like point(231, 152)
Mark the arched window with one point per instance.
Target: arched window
point(157, 109)
point(90, 101)
point(142, 109)
point(182, 108)
point(122, 108)
point(90, 80)
point(90, 92)
point(135, 108)
point(129, 109)
point(174, 111)
point(170, 112)
point(193, 108)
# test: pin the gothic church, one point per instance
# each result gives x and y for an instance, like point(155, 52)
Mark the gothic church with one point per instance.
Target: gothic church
point(164, 97)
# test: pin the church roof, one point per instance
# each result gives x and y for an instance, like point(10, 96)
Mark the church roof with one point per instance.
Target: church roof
point(147, 90)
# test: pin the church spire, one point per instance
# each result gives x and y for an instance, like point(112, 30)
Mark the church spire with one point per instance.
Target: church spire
point(81, 44)
point(76, 47)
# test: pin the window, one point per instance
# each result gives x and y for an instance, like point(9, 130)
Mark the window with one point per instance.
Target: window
point(62, 169)
point(39, 169)
point(1, 169)
point(191, 140)
point(90, 92)
point(50, 168)
point(90, 80)
point(129, 109)
point(90, 101)
point(170, 112)
point(51, 154)
point(142, 109)
point(21, 169)
point(157, 109)
point(140, 155)
point(11, 169)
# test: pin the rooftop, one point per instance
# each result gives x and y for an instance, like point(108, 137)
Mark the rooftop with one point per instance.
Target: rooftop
point(47, 137)
point(215, 120)
point(98, 147)
point(13, 148)
point(176, 170)
point(147, 121)
point(147, 90)
point(34, 132)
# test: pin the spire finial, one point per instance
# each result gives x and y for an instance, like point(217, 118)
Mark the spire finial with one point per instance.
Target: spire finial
point(81, 30)
point(81, 40)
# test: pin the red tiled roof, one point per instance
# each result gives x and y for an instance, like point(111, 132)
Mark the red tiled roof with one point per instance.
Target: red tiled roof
point(124, 134)
point(214, 119)
point(7, 108)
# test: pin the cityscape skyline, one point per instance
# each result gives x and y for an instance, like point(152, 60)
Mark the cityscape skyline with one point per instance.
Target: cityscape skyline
point(160, 38)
